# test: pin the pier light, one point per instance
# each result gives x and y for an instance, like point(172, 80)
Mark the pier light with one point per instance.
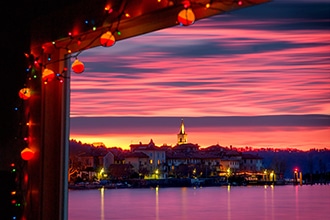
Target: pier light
point(228, 172)
point(272, 176)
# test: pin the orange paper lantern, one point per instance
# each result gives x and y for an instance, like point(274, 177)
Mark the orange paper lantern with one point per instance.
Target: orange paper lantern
point(24, 93)
point(77, 66)
point(107, 39)
point(27, 154)
point(186, 17)
point(48, 75)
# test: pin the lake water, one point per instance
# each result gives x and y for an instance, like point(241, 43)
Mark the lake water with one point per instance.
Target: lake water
point(207, 203)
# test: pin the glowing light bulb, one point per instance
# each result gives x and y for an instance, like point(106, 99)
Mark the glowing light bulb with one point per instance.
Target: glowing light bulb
point(77, 66)
point(27, 154)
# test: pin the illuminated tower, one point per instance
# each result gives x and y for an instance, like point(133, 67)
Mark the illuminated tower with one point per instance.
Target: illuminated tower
point(182, 136)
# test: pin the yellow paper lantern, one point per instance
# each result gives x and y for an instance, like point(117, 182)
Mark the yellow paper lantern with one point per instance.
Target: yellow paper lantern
point(27, 154)
point(24, 93)
point(77, 66)
point(107, 39)
point(186, 17)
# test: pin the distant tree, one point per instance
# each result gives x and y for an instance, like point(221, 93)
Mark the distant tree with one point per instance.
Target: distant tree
point(323, 170)
point(278, 165)
point(143, 171)
point(182, 170)
point(310, 164)
point(121, 171)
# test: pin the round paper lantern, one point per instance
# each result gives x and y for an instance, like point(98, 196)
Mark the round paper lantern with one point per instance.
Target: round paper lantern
point(48, 75)
point(24, 93)
point(77, 66)
point(186, 17)
point(107, 39)
point(27, 154)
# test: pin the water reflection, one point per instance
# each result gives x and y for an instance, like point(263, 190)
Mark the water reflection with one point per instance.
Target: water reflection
point(228, 203)
point(157, 203)
point(257, 202)
point(102, 203)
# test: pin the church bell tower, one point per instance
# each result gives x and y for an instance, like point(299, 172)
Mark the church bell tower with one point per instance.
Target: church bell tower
point(182, 136)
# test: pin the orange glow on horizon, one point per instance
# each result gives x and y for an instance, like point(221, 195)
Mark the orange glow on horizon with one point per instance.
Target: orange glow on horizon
point(301, 138)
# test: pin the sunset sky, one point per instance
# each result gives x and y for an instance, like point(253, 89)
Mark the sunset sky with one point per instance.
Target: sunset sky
point(256, 77)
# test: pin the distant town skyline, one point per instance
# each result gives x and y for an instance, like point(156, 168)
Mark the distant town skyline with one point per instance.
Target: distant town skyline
point(267, 60)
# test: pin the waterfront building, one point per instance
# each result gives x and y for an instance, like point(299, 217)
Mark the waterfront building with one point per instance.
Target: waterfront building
point(139, 161)
point(230, 162)
point(184, 160)
point(157, 158)
point(252, 163)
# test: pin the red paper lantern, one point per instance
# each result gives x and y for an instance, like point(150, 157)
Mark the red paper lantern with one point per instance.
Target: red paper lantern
point(48, 75)
point(186, 17)
point(77, 66)
point(107, 39)
point(27, 154)
point(24, 93)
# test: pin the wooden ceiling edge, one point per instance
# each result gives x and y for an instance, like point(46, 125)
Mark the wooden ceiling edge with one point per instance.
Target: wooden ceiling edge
point(140, 25)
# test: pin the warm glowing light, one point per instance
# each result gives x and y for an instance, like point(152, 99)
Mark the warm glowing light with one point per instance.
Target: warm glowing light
point(186, 17)
point(27, 154)
point(127, 15)
point(107, 39)
point(186, 3)
point(24, 93)
point(77, 66)
point(240, 3)
point(207, 5)
point(48, 75)
point(108, 8)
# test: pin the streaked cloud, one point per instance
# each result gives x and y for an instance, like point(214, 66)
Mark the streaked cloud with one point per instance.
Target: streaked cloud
point(271, 59)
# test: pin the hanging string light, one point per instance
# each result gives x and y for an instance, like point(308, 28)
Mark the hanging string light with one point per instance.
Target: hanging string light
point(77, 66)
point(27, 154)
point(107, 39)
point(24, 93)
point(48, 75)
point(186, 17)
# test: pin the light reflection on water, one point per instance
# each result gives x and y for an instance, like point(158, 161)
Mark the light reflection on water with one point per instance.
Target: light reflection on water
point(231, 203)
